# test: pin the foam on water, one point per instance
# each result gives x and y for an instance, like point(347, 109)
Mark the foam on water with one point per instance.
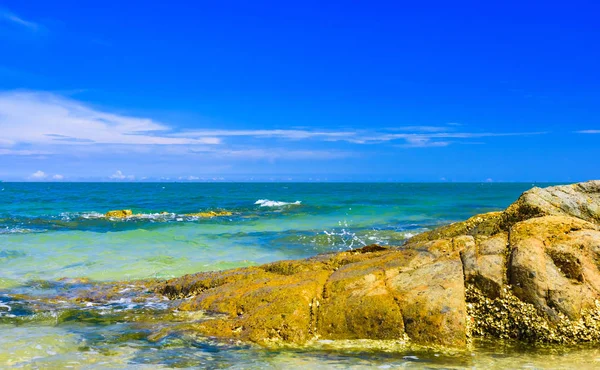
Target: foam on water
point(20, 230)
point(70, 216)
point(275, 203)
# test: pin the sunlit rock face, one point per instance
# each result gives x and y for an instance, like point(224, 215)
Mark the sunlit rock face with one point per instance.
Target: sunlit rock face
point(529, 273)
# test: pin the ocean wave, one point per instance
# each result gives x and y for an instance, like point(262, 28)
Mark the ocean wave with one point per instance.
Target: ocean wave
point(20, 230)
point(70, 216)
point(163, 216)
point(275, 203)
point(96, 220)
point(166, 216)
point(77, 216)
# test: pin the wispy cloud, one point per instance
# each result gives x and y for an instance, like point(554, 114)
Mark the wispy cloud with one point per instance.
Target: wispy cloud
point(293, 134)
point(8, 16)
point(24, 152)
point(42, 123)
point(48, 119)
point(440, 137)
point(274, 153)
point(588, 132)
point(419, 134)
point(424, 142)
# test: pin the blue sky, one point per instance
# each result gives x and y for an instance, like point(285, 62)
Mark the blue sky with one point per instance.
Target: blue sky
point(307, 90)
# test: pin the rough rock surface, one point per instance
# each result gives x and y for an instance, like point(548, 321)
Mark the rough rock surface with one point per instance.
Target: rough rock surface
point(529, 273)
point(580, 200)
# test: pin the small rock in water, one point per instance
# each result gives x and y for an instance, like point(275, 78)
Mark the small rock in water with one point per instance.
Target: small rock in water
point(119, 213)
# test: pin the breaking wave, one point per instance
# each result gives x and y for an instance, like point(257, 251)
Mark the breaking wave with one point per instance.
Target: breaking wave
point(275, 203)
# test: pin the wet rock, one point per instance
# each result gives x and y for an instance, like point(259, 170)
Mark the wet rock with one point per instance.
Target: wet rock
point(371, 293)
point(120, 213)
point(209, 214)
point(484, 224)
point(276, 302)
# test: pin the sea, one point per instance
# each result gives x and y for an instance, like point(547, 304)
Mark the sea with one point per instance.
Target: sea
point(54, 238)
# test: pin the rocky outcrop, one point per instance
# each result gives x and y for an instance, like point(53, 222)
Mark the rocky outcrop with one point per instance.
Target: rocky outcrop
point(529, 273)
point(580, 200)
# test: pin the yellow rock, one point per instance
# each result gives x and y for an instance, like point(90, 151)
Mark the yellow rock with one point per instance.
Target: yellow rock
point(209, 214)
point(120, 213)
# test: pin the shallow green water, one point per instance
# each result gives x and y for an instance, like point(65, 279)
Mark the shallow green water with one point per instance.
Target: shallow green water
point(53, 235)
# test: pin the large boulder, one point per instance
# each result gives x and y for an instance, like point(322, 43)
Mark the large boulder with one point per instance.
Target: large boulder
point(530, 273)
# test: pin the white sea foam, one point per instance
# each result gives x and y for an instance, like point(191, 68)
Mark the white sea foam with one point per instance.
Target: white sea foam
point(20, 230)
point(275, 203)
point(164, 216)
point(70, 216)
point(152, 217)
point(91, 215)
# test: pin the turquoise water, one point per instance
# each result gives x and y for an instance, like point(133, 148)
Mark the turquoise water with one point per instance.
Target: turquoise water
point(50, 231)
point(54, 239)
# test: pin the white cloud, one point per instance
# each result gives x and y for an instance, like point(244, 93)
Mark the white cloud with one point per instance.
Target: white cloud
point(38, 175)
point(120, 176)
point(420, 136)
point(449, 135)
point(52, 124)
point(188, 178)
point(275, 153)
point(58, 177)
point(285, 134)
point(421, 128)
point(423, 142)
point(588, 132)
point(13, 18)
point(48, 119)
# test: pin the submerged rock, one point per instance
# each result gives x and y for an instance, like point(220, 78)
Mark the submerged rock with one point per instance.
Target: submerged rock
point(529, 273)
